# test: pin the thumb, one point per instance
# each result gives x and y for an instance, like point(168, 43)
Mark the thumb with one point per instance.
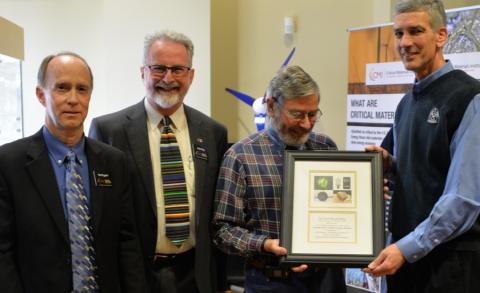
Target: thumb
point(376, 262)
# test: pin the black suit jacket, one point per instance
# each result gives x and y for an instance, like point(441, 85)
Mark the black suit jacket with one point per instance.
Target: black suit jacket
point(34, 243)
point(127, 130)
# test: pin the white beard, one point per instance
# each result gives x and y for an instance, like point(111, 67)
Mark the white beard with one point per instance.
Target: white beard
point(166, 101)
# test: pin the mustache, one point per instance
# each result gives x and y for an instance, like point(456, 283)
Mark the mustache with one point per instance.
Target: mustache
point(302, 130)
point(167, 86)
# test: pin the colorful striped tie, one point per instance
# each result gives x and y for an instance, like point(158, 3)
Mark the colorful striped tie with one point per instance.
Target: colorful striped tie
point(177, 213)
point(80, 230)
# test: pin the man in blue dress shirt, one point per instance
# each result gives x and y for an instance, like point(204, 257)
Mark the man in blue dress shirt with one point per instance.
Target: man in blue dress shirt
point(66, 215)
point(435, 164)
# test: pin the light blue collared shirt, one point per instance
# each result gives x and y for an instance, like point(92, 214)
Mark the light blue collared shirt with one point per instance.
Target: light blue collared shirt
point(459, 206)
point(57, 151)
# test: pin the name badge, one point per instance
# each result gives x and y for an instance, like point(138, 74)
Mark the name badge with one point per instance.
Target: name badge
point(200, 153)
point(102, 179)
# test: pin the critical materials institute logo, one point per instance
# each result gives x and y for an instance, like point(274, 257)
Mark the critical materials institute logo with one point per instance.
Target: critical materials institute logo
point(374, 75)
point(387, 73)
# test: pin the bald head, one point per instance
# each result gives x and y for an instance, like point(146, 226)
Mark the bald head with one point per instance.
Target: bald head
point(42, 70)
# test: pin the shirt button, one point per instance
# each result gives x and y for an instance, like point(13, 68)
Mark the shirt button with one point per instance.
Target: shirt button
point(415, 256)
point(436, 240)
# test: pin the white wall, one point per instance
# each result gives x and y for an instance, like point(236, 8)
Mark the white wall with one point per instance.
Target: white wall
point(321, 40)
point(109, 35)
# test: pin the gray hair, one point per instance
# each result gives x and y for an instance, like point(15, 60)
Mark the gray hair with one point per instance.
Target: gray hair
point(42, 70)
point(292, 82)
point(434, 9)
point(168, 35)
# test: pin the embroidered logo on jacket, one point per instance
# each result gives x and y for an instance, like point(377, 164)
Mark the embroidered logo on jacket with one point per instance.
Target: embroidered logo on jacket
point(434, 116)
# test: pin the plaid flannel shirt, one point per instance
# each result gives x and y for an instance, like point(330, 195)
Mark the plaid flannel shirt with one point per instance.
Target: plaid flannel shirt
point(249, 191)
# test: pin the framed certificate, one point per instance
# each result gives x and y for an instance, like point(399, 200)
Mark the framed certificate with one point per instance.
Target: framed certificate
point(332, 207)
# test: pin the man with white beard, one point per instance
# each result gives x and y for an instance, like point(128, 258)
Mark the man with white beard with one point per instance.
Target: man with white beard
point(248, 197)
point(176, 259)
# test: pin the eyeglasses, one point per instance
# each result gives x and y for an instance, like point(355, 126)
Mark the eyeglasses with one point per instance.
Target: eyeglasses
point(299, 116)
point(176, 70)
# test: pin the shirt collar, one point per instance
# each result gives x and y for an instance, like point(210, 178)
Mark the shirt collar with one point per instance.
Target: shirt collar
point(178, 118)
point(422, 84)
point(58, 150)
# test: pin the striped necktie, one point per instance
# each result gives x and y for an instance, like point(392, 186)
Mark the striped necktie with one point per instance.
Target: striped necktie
point(177, 214)
point(80, 230)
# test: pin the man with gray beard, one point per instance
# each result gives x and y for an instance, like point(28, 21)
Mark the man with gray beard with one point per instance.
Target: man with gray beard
point(249, 189)
point(173, 195)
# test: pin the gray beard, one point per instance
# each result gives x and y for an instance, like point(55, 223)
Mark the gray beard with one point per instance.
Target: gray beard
point(286, 137)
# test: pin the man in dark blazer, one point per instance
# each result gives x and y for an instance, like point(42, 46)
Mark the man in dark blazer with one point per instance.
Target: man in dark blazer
point(167, 74)
point(36, 246)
